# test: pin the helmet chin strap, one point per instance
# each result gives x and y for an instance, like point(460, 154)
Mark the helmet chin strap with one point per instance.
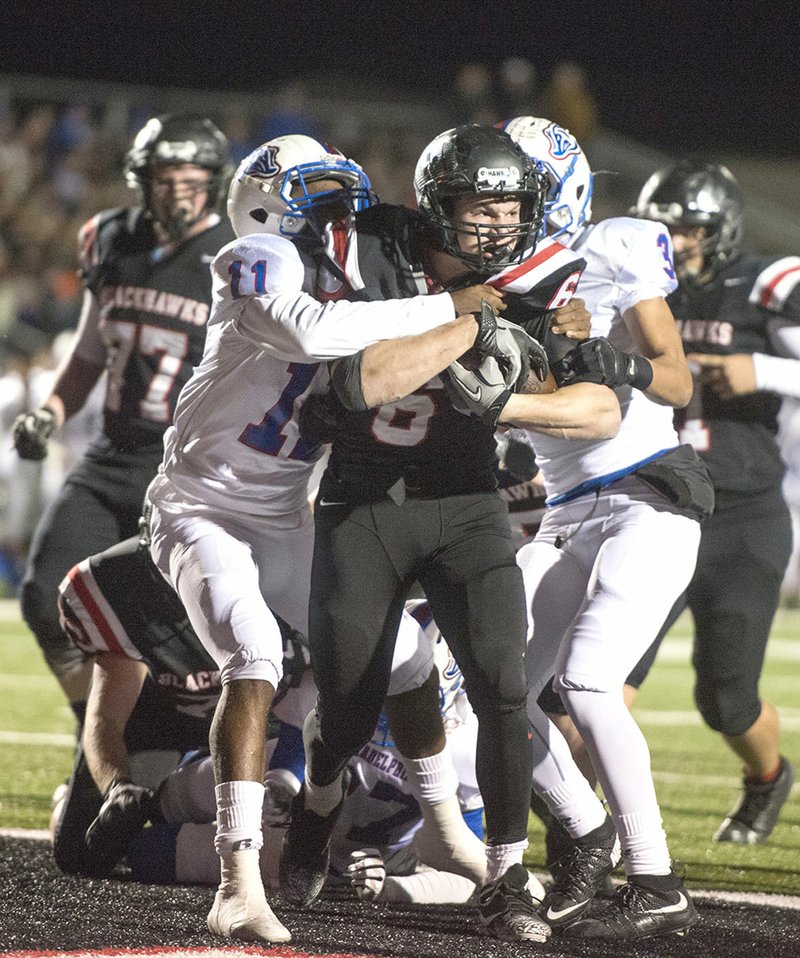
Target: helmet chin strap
point(178, 224)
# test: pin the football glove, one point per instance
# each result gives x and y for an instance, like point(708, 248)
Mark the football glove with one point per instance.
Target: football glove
point(31, 431)
point(597, 361)
point(317, 419)
point(367, 873)
point(481, 392)
point(125, 810)
point(280, 788)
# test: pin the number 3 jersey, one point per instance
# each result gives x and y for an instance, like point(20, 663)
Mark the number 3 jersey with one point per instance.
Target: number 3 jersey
point(235, 444)
point(740, 311)
point(154, 305)
point(628, 261)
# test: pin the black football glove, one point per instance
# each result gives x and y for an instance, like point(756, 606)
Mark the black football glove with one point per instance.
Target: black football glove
point(533, 358)
point(125, 810)
point(317, 419)
point(597, 361)
point(31, 431)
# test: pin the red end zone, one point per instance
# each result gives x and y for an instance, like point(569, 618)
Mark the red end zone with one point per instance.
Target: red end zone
point(224, 951)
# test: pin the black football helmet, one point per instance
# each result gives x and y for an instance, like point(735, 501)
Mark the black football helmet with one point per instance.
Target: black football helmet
point(480, 160)
point(174, 139)
point(690, 194)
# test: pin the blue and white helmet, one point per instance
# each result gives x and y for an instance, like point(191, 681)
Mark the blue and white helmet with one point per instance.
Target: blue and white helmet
point(269, 191)
point(568, 205)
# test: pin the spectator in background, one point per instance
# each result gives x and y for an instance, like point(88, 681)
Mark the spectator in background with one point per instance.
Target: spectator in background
point(568, 101)
point(518, 88)
point(474, 95)
point(290, 114)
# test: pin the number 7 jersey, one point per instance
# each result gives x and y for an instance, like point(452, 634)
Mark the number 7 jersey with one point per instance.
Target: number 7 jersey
point(154, 304)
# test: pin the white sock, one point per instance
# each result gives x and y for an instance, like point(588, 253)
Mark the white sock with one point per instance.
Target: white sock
point(322, 799)
point(499, 858)
point(432, 779)
point(576, 806)
point(239, 806)
point(644, 844)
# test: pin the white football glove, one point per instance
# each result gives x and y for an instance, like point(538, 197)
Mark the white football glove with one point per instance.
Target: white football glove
point(367, 873)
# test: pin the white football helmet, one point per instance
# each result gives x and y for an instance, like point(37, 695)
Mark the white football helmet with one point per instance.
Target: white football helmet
point(269, 191)
point(569, 202)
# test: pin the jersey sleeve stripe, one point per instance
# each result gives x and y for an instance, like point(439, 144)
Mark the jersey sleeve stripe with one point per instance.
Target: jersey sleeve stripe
point(776, 282)
point(99, 618)
point(524, 275)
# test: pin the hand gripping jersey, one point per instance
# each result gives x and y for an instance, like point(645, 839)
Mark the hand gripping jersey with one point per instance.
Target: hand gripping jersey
point(154, 306)
point(421, 437)
point(627, 261)
point(236, 444)
point(734, 314)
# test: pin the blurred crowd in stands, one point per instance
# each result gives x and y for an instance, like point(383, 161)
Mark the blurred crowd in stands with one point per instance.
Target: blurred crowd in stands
point(61, 162)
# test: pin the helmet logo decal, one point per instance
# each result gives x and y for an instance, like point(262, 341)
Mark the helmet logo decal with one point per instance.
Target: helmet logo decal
point(498, 177)
point(562, 142)
point(182, 152)
point(265, 164)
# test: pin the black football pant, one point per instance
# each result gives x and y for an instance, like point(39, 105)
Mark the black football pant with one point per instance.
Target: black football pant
point(460, 550)
point(733, 596)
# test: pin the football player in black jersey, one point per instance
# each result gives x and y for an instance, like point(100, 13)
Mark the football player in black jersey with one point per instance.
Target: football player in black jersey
point(147, 294)
point(410, 495)
point(739, 317)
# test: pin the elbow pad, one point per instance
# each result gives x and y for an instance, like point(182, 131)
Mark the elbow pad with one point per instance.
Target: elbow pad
point(346, 382)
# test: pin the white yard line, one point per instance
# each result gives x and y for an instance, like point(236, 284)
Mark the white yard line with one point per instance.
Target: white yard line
point(37, 738)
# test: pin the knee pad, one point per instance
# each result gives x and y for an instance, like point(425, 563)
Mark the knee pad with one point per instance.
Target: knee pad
point(248, 662)
point(40, 613)
point(729, 707)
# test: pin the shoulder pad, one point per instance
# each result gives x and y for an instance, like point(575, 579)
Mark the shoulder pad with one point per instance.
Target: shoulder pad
point(95, 236)
point(777, 284)
point(259, 264)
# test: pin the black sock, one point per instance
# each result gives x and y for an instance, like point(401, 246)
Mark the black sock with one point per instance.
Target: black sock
point(657, 882)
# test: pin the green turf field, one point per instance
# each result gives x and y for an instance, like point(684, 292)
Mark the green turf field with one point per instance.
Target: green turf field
point(696, 776)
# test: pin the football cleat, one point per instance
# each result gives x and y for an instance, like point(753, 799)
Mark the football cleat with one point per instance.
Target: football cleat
point(580, 875)
point(507, 910)
point(244, 918)
point(306, 849)
point(637, 911)
point(754, 816)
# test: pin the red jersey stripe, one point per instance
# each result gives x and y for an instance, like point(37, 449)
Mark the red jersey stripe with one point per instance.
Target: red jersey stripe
point(84, 594)
point(769, 289)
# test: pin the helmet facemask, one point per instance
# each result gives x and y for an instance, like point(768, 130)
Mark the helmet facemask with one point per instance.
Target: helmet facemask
point(317, 208)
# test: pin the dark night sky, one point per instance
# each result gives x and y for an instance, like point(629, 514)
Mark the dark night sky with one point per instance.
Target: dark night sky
point(716, 73)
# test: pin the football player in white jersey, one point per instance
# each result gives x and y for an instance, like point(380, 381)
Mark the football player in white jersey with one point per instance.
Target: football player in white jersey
point(617, 545)
point(231, 526)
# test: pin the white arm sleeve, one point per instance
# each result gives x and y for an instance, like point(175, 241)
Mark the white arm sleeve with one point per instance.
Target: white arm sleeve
point(258, 287)
point(780, 373)
point(429, 888)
